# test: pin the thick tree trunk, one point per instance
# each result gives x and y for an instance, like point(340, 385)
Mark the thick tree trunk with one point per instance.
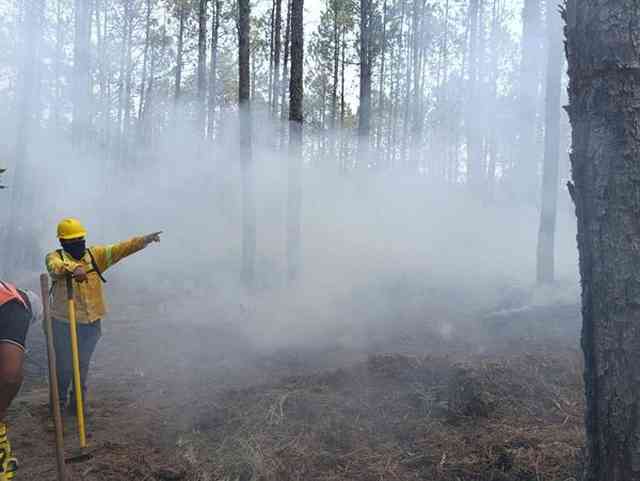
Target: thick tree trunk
point(294, 199)
point(277, 48)
point(284, 109)
point(364, 111)
point(213, 76)
point(603, 98)
point(246, 154)
point(81, 75)
point(202, 69)
point(546, 234)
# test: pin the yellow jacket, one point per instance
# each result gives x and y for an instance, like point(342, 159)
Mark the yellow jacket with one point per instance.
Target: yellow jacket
point(88, 296)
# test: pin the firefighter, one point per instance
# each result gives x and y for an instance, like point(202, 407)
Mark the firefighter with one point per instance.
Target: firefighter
point(86, 266)
point(19, 308)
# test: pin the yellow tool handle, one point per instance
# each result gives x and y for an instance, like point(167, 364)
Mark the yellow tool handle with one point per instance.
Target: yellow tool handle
point(77, 383)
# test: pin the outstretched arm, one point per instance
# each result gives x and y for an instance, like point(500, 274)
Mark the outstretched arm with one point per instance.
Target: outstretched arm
point(107, 256)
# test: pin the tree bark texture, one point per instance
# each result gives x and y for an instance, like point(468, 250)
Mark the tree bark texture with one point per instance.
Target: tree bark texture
point(364, 117)
point(294, 200)
point(202, 68)
point(604, 109)
point(277, 49)
point(213, 76)
point(549, 198)
point(246, 154)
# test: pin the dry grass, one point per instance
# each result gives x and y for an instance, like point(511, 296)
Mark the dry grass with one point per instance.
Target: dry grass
point(390, 419)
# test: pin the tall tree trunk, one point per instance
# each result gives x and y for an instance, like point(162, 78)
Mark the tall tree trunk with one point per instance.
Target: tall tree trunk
point(126, 128)
point(493, 99)
point(202, 69)
point(272, 35)
point(546, 234)
point(381, 104)
point(277, 48)
point(603, 99)
point(145, 57)
point(81, 75)
point(284, 110)
point(246, 154)
point(364, 112)
point(474, 140)
point(213, 76)
point(294, 200)
point(527, 167)
point(336, 62)
point(180, 52)
point(343, 67)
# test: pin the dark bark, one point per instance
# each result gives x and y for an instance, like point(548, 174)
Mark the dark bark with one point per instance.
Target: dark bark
point(343, 66)
point(246, 154)
point(213, 76)
point(277, 49)
point(364, 111)
point(81, 75)
point(271, 45)
point(604, 92)
point(202, 68)
point(294, 200)
point(336, 64)
point(550, 181)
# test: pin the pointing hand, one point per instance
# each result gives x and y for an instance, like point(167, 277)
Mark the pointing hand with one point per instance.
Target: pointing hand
point(155, 237)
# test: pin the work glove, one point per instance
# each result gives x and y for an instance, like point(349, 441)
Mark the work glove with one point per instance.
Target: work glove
point(155, 237)
point(8, 463)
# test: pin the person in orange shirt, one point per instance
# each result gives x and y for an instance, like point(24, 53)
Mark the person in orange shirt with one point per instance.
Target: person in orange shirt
point(19, 308)
point(85, 265)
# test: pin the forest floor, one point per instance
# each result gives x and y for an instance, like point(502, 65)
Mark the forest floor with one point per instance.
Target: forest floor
point(198, 403)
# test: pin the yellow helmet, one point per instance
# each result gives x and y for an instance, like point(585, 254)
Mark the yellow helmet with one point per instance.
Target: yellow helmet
point(69, 229)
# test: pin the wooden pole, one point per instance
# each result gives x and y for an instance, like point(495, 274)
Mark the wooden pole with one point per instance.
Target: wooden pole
point(53, 378)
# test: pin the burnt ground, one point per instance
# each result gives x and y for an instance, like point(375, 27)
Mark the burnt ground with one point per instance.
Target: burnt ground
point(188, 401)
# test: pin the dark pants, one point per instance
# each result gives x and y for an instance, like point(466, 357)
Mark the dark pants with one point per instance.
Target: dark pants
point(88, 336)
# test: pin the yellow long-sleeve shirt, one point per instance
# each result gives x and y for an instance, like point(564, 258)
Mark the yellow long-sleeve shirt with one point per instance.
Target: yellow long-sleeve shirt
point(89, 295)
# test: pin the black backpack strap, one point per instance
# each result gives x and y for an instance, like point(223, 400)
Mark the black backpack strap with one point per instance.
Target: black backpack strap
point(95, 266)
